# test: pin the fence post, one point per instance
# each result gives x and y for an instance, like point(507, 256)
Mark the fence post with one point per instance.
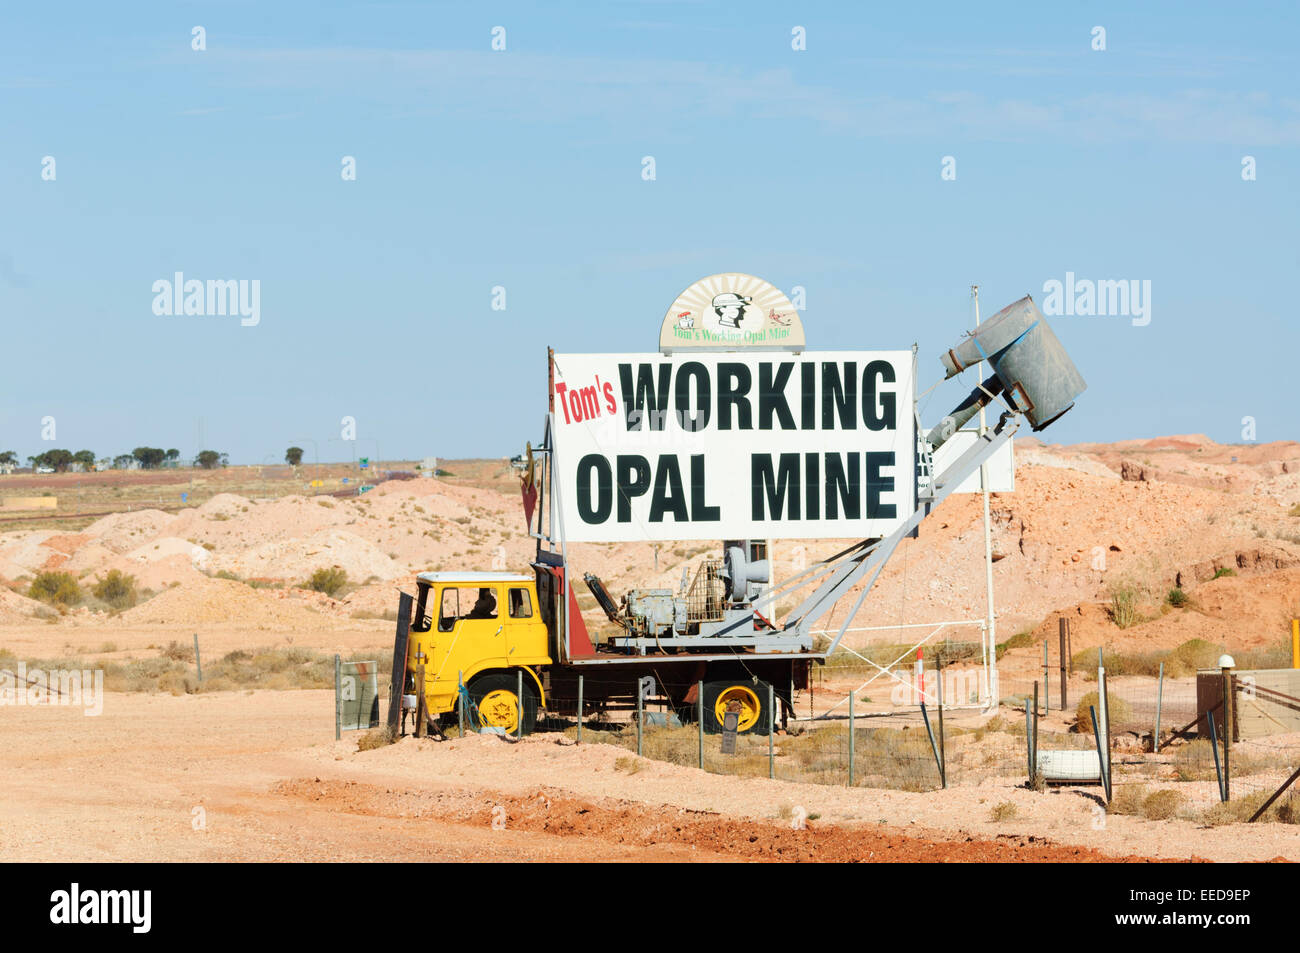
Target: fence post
point(699, 720)
point(1029, 740)
point(1295, 643)
point(771, 733)
point(1103, 704)
point(580, 677)
point(1069, 647)
point(852, 745)
point(1065, 691)
point(338, 691)
point(934, 747)
point(1160, 700)
point(460, 701)
point(943, 755)
point(1033, 778)
point(639, 717)
point(1214, 746)
point(1101, 762)
point(198, 663)
point(1229, 700)
point(1047, 685)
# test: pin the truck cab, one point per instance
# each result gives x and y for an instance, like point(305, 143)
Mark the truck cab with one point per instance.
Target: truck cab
point(480, 629)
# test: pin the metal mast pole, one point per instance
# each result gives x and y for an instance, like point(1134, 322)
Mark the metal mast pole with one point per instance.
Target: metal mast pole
point(991, 659)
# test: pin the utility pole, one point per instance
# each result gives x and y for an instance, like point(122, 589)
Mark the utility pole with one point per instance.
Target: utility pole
point(988, 532)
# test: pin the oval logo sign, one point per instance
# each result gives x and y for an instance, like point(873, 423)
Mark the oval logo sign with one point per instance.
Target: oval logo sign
point(731, 311)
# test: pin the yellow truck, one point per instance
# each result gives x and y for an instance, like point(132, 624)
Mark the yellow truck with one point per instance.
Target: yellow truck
point(477, 633)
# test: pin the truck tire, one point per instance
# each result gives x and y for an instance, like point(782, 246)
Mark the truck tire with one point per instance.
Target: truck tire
point(494, 700)
point(755, 718)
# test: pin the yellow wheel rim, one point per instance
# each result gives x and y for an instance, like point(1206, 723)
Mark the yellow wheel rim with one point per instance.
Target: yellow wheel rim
point(749, 706)
point(499, 709)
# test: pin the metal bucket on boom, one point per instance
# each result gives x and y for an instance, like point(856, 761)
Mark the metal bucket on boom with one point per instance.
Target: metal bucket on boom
point(1029, 366)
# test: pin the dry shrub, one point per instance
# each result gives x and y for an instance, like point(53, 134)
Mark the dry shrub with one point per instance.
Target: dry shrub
point(376, 738)
point(1162, 805)
point(1128, 799)
point(1135, 799)
point(1120, 711)
point(178, 653)
point(1237, 812)
point(1003, 811)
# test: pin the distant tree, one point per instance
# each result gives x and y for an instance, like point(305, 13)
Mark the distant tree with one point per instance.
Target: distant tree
point(173, 454)
point(85, 457)
point(8, 456)
point(293, 456)
point(122, 461)
point(149, 457)
point(208, 459)
point(57, 460)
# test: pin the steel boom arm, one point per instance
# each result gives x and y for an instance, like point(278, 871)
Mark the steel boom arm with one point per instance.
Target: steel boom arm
point(871, 559)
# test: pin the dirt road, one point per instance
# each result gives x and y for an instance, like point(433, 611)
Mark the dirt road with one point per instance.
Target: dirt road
point(258, 776)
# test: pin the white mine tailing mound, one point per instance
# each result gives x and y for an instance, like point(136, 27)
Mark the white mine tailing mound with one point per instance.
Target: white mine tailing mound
point(23, 552)
point(224, 504)
point(122, 532)
point(297, 559)
point(223, 600)
point(16, 609)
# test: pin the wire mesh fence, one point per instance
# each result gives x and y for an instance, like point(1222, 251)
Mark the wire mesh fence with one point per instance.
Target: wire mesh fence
point(1167, 744)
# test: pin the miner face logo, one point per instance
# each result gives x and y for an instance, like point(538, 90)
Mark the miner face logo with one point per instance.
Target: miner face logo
point(730, 308)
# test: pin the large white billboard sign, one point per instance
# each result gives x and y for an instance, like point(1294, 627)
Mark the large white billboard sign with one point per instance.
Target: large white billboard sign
point(733, 445)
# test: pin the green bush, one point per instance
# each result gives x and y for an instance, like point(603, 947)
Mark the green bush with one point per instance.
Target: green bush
point(1120, 711)
point(1177, 598)
point(1225, 571)
point(329, 580)
point(58, 588)
point(1124, 605)
point(117, 589)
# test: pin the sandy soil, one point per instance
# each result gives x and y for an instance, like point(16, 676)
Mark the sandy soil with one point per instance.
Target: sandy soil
point(265, 778)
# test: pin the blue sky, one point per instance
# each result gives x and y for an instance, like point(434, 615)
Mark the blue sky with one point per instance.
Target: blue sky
point(476, 168)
